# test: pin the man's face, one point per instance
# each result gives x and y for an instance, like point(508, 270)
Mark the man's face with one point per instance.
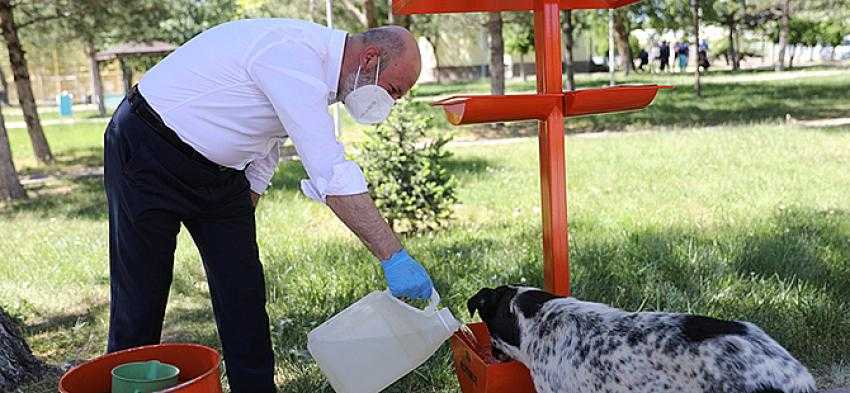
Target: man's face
point(395, 75)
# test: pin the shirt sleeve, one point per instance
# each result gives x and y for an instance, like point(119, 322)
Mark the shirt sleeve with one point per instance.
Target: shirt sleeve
point(260, 172)
point(289, 74)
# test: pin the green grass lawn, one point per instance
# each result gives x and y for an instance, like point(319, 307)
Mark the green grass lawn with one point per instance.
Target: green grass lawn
point(747, 221)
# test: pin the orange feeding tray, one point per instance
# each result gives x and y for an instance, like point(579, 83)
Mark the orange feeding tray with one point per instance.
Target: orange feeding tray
point(199, 369)
point(474, 109)
point(488, 109)
point(477, 370)
point(609, 99)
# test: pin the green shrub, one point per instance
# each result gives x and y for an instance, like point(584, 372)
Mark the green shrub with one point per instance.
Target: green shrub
point(404, 165)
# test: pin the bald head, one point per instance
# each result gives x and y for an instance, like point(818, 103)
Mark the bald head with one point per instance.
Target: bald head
point(393, 48)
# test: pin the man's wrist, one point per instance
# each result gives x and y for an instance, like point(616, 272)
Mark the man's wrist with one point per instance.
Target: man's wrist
point(396, 256)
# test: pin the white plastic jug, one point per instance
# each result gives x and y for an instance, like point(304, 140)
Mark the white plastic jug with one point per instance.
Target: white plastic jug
point(377, 340)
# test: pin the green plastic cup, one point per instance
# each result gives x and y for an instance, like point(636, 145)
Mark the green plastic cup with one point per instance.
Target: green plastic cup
point(143, 377)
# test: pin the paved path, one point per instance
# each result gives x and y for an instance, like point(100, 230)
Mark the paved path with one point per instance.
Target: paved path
point(836, 122)
point(51, 122)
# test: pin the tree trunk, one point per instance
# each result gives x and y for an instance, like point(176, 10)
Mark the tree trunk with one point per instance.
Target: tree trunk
point(783, 34)
point(611, 47)
point(497, 54)
point(738, 47)
point(733, 51)
point(522, 67)
point(19, 364)
point(371, 13)
point(18, 62)
point(126, 75)
point(405, 21)
point(569, 59)
point(10, 187)
point(791, 57)
point(434, 43)
point(622, 37)
point(390, 15)
point(96, 80)
point(5, 86)
point(695, 45)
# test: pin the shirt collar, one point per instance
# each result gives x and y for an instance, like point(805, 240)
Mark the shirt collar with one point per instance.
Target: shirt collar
point(336, 47)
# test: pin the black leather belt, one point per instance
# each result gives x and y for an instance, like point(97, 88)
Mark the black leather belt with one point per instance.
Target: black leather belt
point(142, 109)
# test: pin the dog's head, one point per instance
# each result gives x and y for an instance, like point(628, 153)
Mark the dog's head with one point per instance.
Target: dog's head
point(502, 310)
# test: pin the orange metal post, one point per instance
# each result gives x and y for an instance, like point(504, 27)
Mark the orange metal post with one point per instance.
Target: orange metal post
point(553, 173)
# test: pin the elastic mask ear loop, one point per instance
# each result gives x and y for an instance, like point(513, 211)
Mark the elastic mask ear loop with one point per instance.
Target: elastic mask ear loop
point(378, 71)
point(357, 76)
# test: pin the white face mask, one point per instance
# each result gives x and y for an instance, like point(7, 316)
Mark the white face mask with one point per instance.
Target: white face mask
point(369, 104)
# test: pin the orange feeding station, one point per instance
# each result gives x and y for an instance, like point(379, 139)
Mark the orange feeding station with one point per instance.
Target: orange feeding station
point(477, 370)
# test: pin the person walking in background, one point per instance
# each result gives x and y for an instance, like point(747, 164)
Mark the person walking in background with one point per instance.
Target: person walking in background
point(675, 50)
point(702, 56)
point(644, 59)
point(664, 52)
point(682, 55)
point(654, 57)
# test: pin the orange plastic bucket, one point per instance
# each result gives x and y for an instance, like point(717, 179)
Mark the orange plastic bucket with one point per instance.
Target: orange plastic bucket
point(477, 370)
point(199, 369)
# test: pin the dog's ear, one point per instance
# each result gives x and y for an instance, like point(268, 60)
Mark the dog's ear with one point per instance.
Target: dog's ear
point(477, 302)
point(530, 302)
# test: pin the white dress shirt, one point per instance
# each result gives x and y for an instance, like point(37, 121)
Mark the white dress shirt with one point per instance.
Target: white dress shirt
point(236, 91)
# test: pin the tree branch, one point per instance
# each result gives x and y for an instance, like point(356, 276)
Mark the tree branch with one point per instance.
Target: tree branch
point(39, 19)
point(358, 13)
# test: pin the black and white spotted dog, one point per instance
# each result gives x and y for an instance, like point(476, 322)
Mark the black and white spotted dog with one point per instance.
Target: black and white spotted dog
point(572, 346)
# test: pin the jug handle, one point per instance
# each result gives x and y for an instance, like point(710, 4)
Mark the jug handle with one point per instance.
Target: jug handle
point(432, 303)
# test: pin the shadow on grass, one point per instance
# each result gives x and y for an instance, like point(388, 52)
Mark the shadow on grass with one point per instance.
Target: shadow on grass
point(786, 273)
point(87, 157)
point(812, 247)
point(75, 198)
point(729, 103)
point(67, 321)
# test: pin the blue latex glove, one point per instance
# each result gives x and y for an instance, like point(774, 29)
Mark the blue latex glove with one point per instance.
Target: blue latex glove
point(406, 277)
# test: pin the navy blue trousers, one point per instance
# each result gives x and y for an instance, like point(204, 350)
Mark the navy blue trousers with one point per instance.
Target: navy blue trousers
point(152, 186)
